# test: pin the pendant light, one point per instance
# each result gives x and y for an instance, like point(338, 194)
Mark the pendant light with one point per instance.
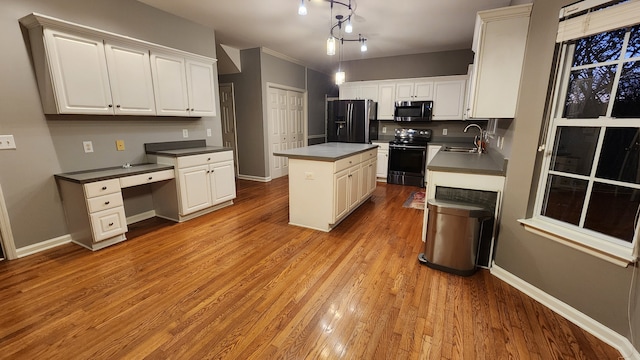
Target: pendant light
point(331, 45)
point(302, 10)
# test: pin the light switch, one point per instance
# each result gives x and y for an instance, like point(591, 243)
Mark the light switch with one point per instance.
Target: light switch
point(7, 142)
point(185, 133)
point(120, 145)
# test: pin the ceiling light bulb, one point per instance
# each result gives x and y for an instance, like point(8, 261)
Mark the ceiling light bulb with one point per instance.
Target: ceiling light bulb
point(331, 45)
point(348, 29)
point(363, 47)
point(302, 10)
point(340, 77)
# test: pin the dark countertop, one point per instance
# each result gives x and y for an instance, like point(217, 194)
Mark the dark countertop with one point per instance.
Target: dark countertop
point(182, 148)
point(326, 152)
point(489, 163)
point(189, 151)
point(87, 176)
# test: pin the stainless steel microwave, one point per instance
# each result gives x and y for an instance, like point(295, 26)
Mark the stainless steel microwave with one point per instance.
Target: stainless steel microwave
point(417, 111)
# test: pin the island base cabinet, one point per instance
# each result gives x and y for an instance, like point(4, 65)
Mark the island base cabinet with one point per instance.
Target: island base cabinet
point(323, 193)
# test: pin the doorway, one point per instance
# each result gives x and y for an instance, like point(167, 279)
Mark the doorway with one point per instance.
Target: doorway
point(228, 120)
point(287, 125)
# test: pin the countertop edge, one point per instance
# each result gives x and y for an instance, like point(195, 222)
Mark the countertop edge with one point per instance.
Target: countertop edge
point(189, 152)
point(325, 157)
point(125, 172)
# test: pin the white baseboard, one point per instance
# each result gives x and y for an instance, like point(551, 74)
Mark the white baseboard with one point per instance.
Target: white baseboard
point(254, 178)
point(619, 342)
point(142, 216)
point(44, 245)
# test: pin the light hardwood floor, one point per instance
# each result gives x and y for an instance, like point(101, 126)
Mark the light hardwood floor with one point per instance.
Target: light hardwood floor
point(240, 283)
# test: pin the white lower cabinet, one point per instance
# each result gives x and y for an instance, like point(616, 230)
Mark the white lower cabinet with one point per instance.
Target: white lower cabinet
point(204, 181)
point(383, 161)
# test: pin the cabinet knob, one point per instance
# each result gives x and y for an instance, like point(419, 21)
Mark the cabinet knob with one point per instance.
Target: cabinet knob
point(110, 224)
point(107, 202)
point(110, 105)
point(187, 109)
point(208, 159)
point(104, 188)
point(208, 171)
point(118, 106)
point(191, 109)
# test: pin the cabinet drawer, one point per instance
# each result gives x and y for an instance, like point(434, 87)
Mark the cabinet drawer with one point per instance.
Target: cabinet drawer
point(147, 178)
point(99, 188)
point(202, 159)
point(371, 154)
point(347, 162)
point(108, 223)
point(104, 202)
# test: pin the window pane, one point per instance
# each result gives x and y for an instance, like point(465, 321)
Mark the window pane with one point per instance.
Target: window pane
point(627, 104)
point(612, 210)
point(633, 49)
point(564, 199)
point(589, 92)
point(574, 149)
point(619, 157)
point(599, 48)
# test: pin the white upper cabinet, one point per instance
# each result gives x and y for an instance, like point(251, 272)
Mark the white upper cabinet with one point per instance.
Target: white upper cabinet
point(386, 100)
point(130, 79)
point(183, 87)
point(448, 98)
point(170, 85)
point(359, 90)
point(82, 70)
point(79, 75)
point(414, 90)
point(499, 43)
point(200, 86)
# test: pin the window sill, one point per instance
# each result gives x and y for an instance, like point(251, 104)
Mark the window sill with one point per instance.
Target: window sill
point(613, 253)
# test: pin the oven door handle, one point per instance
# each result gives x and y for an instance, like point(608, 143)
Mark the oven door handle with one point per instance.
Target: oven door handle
point(401, 147)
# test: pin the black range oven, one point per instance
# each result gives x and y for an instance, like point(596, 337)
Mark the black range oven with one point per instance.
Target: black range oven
point(407, 157)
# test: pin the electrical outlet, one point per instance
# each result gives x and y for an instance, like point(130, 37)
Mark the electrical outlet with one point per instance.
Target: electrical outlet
point(384, 129)
point(120, 145)
point(208, 132)
point(185, 133)
point(88, 146)
point(308, 175)
point(444, 131)
point(7, 142)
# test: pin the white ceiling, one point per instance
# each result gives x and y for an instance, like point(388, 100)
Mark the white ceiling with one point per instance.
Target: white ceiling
point(392, 27)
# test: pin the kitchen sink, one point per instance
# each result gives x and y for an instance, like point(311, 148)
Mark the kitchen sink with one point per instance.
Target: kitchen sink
point(460, 149)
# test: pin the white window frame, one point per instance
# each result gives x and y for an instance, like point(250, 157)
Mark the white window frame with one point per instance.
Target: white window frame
point(605, 247)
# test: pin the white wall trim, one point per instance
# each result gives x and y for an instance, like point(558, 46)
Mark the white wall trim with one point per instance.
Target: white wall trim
point(619, 342)
point(44, 245)
point(254, 178)
point(142, 216)
point(6, 235)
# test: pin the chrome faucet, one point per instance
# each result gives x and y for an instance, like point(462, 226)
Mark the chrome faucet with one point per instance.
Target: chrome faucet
point(478, 139)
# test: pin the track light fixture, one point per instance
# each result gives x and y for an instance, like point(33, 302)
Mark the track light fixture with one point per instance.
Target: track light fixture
point(341, 19)
point(333, 39)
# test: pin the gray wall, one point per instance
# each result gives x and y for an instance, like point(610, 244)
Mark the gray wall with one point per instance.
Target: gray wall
point(593, 286)
point(455, 62)
point(259, 69)
point(53, 144)
point(318, 85)
point(250, 128)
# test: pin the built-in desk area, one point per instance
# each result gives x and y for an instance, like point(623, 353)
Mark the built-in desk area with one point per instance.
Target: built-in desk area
point(93, 202)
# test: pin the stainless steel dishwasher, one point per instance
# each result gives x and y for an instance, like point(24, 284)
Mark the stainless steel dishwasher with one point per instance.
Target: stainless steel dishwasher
point(453, 233)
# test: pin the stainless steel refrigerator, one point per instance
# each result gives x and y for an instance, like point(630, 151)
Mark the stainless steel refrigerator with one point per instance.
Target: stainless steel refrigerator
point(353, 121)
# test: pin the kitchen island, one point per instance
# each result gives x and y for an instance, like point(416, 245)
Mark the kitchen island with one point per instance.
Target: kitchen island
point(327, 182)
